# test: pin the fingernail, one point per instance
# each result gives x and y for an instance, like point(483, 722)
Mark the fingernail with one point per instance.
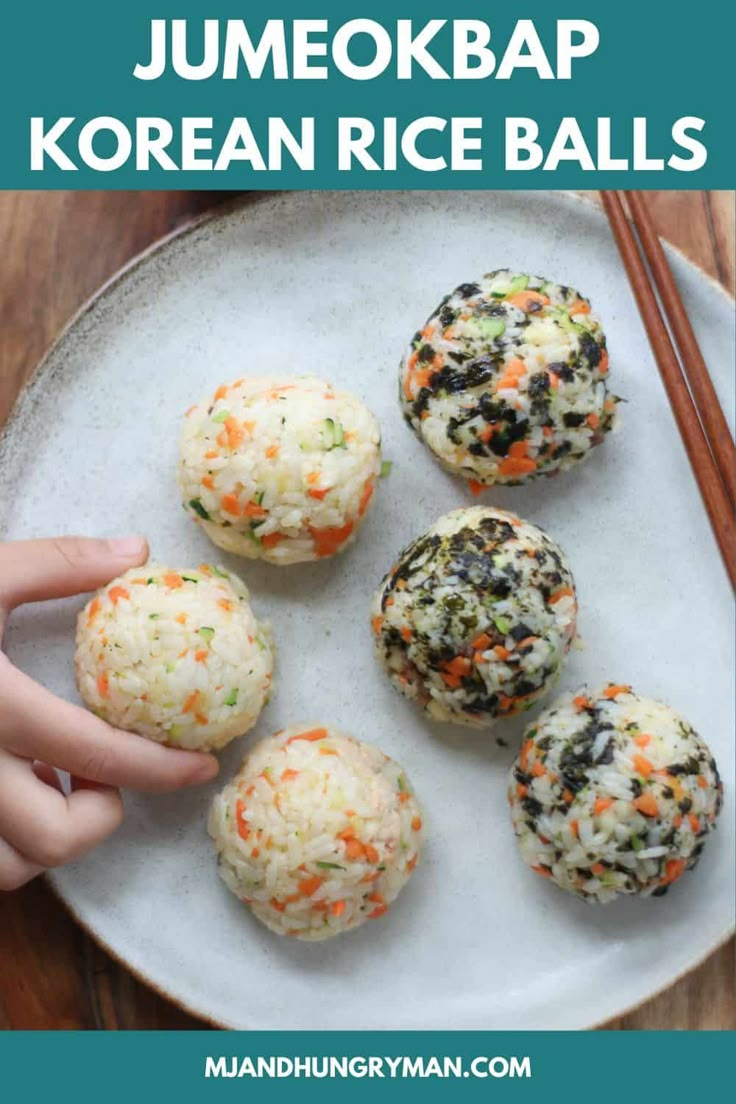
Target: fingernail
point(127, 546)
point(208, 770)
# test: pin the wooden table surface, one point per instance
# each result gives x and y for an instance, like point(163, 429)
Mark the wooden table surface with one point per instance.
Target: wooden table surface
point(56, 248)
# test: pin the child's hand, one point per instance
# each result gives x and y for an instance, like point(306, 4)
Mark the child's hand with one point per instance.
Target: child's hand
point(39, 826)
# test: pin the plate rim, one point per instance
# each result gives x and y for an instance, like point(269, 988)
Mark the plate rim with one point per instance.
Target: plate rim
point(36, 378)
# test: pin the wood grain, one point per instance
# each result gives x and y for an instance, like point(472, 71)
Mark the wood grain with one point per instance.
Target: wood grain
point(57, 248)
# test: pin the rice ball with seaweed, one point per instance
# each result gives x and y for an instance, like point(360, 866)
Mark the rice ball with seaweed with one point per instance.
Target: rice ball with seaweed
point(177, 656)
point(507, 379)
point(317, 832)
point(474, 619)
point(613, 793)
point(280, 469)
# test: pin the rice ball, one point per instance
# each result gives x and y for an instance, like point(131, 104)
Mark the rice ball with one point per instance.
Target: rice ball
point(280, 469)
point(317, 832)
point(507, 379)
point(474, 619)
point(613, 793)
point(177, 656)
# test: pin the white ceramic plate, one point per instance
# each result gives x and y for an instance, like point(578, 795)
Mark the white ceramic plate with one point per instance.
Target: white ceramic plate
point(336, 284)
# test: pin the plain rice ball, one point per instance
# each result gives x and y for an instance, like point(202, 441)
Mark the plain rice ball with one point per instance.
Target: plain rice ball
point(613, 793)
point(317, 832)
point(280, 469)
point(507, 379)
point(475, 618)
point(177, 656)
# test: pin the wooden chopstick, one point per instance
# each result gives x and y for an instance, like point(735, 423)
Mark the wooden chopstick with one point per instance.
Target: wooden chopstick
point(701, 386)
point(712, 490)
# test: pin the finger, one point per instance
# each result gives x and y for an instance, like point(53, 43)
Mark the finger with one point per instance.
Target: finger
point(46, 827)
point(15, 869)
point(31, 571)
point(35, 724)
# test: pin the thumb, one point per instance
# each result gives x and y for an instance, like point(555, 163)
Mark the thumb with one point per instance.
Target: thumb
point(32, 571)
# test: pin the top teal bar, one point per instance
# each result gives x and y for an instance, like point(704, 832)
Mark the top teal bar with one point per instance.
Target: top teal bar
point(378, 96)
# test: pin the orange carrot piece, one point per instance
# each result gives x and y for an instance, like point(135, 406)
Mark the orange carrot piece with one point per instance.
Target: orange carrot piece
point(253, 510)
point(235, 433)
point(330, 540)
point(103, 684)
point(459, 666)
point(416, 824)
point(642, 739)
point(310, 885)
point(674, 868)
point(319, 492)
point(272, 539)
point(191, 701)
point(116, 593)
point(94, 609)
point(312, 735)
point(475, 487)
point(527, 300)
point(337, 908)
point(517, 466)
point(614, 691)
point(642, 765)
point(288, 775)
point(562, 592)
point(173, 580)
point(231, 504)
point(646, 804)
point(371, 853)
point(601, 804)
point(242, 823)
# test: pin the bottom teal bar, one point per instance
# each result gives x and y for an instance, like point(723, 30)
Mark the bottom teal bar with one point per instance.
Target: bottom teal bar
point(123, 1067)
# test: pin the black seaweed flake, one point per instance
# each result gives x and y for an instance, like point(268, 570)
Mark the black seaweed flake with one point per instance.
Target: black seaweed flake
point(590, 349)
point(467, 291)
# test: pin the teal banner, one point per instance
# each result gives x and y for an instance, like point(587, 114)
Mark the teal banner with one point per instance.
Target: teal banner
point(361, 1066)
point(354, 95)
